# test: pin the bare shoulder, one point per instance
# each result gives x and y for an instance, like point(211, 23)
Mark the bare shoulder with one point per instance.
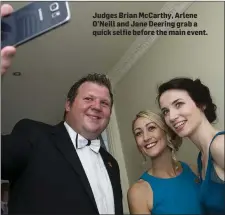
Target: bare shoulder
point(139, 198)
point(139, 188)
point(218, 143)
point(217, 150)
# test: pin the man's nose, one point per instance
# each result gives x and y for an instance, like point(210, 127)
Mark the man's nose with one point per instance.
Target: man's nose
point(97, 105)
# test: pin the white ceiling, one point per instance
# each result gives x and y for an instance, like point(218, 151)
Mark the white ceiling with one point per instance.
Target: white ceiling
point(50, 64)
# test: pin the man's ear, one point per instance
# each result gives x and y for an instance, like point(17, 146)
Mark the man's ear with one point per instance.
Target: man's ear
point(67, 106)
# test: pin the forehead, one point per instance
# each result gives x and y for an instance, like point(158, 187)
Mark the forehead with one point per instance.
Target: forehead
point(93, 89)
point(169, 96)
point(142, 121)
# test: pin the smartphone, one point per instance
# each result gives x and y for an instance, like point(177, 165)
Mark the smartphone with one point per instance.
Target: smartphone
point(33, 20)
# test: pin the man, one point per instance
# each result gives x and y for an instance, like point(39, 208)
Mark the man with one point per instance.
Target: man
point(62, 169)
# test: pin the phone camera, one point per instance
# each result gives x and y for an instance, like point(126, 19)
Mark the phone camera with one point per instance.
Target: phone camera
point(54, 6)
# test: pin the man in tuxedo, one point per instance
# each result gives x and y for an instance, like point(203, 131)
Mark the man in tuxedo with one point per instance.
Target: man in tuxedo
point(63, 169)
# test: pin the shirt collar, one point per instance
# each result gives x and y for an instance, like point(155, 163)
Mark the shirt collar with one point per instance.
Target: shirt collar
point(81, 140)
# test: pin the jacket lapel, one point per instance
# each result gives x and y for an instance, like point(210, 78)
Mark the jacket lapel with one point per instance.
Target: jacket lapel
point(65, 146)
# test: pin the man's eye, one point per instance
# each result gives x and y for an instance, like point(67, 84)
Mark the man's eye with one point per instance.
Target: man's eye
point(105, 103)
point(87, 98)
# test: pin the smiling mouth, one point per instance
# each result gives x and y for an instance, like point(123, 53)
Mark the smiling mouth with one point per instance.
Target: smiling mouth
point(94, 117)
point(150, 145)
point(179, 125)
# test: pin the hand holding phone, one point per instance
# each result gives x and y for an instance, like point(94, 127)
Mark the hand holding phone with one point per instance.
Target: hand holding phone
point(33, 20)
point(8, 52)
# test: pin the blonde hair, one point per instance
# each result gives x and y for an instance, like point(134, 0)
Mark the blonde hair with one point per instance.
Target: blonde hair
point(173, 141)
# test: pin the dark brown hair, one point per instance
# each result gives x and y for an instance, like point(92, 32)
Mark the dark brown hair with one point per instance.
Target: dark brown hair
point(199, 93)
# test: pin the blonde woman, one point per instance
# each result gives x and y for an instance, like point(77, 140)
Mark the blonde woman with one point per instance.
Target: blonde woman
point(169, 186)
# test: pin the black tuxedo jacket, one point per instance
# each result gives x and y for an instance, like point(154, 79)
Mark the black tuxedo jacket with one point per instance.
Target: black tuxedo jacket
point(45, 172)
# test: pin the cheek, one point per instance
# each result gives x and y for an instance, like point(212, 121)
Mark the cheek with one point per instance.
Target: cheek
point(79, 111)
point(163, 141)
point(188, 109)
point(161, 137)
point(84, 108)
point(196, 116)
point(138, 142)
point(107, 113)
point(166, 118)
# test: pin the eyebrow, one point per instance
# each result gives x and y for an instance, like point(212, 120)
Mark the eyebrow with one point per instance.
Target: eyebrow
point(106, 100)
point(101, 99)
point(145, 125)
point(175, 101)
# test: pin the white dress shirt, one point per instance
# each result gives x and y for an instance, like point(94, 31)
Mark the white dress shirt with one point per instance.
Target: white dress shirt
point(96, 173)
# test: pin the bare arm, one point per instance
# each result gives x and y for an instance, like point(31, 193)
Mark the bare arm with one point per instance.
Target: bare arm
point(138, 199)
point(217, 151)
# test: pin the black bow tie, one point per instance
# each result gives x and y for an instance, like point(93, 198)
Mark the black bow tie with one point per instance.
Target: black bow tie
point(82, 142)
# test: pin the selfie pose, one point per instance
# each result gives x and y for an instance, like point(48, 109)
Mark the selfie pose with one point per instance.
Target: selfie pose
point(189, 111)
point(169, 186)
point(63, 169)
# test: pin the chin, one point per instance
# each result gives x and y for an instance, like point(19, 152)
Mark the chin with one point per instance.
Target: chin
point(154, 153)
point(184, 133)
point(93, 129)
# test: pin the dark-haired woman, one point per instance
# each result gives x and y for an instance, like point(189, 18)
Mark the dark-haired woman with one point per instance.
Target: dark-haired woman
point(188, 109)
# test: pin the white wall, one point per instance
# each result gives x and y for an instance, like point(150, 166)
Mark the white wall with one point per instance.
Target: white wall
point(193, 56)
point(105, 139)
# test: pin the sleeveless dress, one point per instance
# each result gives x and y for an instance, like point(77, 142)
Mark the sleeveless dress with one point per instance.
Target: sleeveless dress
point(212, 187)
point(178, 195)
